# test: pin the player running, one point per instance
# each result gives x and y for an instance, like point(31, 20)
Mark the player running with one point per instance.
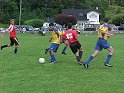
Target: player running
point(13, 38)
point(72, 37)
point(103, 35)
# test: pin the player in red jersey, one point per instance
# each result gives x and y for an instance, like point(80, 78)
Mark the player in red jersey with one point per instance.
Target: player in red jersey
point(74, 44)
point(13, 38)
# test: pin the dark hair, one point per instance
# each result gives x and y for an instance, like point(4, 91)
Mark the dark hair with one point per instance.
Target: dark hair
point(105, 20)
point(51, 24)
point(69, 25)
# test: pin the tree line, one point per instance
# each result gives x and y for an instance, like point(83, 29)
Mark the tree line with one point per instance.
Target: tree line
point(42, 9)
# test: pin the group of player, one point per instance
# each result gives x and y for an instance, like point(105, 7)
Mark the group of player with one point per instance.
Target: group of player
point(69, 36)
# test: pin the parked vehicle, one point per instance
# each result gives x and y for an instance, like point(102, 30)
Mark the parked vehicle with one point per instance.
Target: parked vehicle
point(89, 27)
point(42, 31)
point(112, 27)
point(28, 28)
point(121, 27)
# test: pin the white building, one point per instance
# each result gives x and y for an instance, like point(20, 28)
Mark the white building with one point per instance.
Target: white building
point(84, 16)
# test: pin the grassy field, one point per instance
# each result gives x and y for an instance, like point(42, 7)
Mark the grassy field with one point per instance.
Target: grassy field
point(21, 73)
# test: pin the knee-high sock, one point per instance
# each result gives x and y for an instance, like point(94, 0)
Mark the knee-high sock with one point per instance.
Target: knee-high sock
point(80, 54)
point(52, 58)
point(4, 46)
point(108, 59)
point(89, 60)
point(15, 51)
point(78, 58)
point(64, 48)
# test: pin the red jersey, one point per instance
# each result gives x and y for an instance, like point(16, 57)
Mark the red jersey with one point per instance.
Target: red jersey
point(12, 31)
point(70, 35)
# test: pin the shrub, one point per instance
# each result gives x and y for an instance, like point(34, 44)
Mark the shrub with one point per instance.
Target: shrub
point(118, 19)
point(34, 22)
point(62, 18)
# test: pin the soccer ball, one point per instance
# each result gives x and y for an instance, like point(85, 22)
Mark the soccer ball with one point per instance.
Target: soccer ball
point(41, 60)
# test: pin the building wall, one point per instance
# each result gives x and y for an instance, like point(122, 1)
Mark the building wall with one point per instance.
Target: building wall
point(93, 17)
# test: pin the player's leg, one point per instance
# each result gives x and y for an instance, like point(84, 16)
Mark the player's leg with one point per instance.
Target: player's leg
point(8, 45)
point(75, 51)
point(65, 47)
point(46, 50)
point(53, 48)
point(97, 49)
point(96, 52)
point(16, 45)
point(80, 50)
point(107, 62)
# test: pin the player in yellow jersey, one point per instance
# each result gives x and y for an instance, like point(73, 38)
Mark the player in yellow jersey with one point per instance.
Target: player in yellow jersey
point(103, 35)
point(55, 38)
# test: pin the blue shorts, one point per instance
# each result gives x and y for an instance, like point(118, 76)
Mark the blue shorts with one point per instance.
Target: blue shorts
point(54, 47)
point(101, 43)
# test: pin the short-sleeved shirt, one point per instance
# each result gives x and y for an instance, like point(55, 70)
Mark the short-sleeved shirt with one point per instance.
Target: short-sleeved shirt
point(56, 36)
point(70, 35)
point(104, 28)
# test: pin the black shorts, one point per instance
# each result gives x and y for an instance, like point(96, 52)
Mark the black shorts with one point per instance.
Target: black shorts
point(14, 41)
point(75, 47)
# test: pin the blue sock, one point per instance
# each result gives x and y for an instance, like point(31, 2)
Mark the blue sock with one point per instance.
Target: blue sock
point(89, 60)
point(52, 58)
point(108, 59)
point(64, 49)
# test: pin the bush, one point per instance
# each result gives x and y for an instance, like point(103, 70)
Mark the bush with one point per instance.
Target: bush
point(118, 19)
point(34, 22)
point(4, 25)
point(62, 18)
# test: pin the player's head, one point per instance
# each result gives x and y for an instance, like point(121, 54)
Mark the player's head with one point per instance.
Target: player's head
point(52, 26)
point(63, 24)
point(12, 21)
point(69, 25)
point(105, 20)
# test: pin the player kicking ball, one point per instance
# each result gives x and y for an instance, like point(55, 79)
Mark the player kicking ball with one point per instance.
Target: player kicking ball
point(13, 38)
point(103, 35)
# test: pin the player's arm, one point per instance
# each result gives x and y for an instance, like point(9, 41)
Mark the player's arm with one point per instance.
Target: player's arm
point(75, 35)
point(107, 33)
point(9, 29)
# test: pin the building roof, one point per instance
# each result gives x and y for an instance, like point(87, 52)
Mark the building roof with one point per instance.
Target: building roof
point(80, 14)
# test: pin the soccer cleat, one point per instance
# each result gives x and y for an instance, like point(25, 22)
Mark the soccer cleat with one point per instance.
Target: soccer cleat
point(108, 65)
point(51, 62)
point(63, 52)
point(80, 63)
point(85, 66)
point(46, 50)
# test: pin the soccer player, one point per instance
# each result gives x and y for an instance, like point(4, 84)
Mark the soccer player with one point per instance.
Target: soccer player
point(55, 38)
point(72, 37)
point(13, 38)
point(103, 34)
point(63, 29)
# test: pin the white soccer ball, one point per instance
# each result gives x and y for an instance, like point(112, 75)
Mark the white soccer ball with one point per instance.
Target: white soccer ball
point(41, 60)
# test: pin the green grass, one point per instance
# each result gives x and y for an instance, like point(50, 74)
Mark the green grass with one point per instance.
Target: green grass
point(21, 73)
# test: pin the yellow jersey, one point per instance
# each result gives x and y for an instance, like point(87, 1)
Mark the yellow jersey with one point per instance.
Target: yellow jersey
point(104, 28)
point(56, 36)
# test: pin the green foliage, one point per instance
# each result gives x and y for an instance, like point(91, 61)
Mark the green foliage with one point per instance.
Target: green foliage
point(113, 10)
point(34, 22)
point(3, 25)
point(118, 19)
point(41, 9)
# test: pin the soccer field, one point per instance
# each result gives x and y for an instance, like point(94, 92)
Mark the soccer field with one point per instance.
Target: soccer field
point(21, 72)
